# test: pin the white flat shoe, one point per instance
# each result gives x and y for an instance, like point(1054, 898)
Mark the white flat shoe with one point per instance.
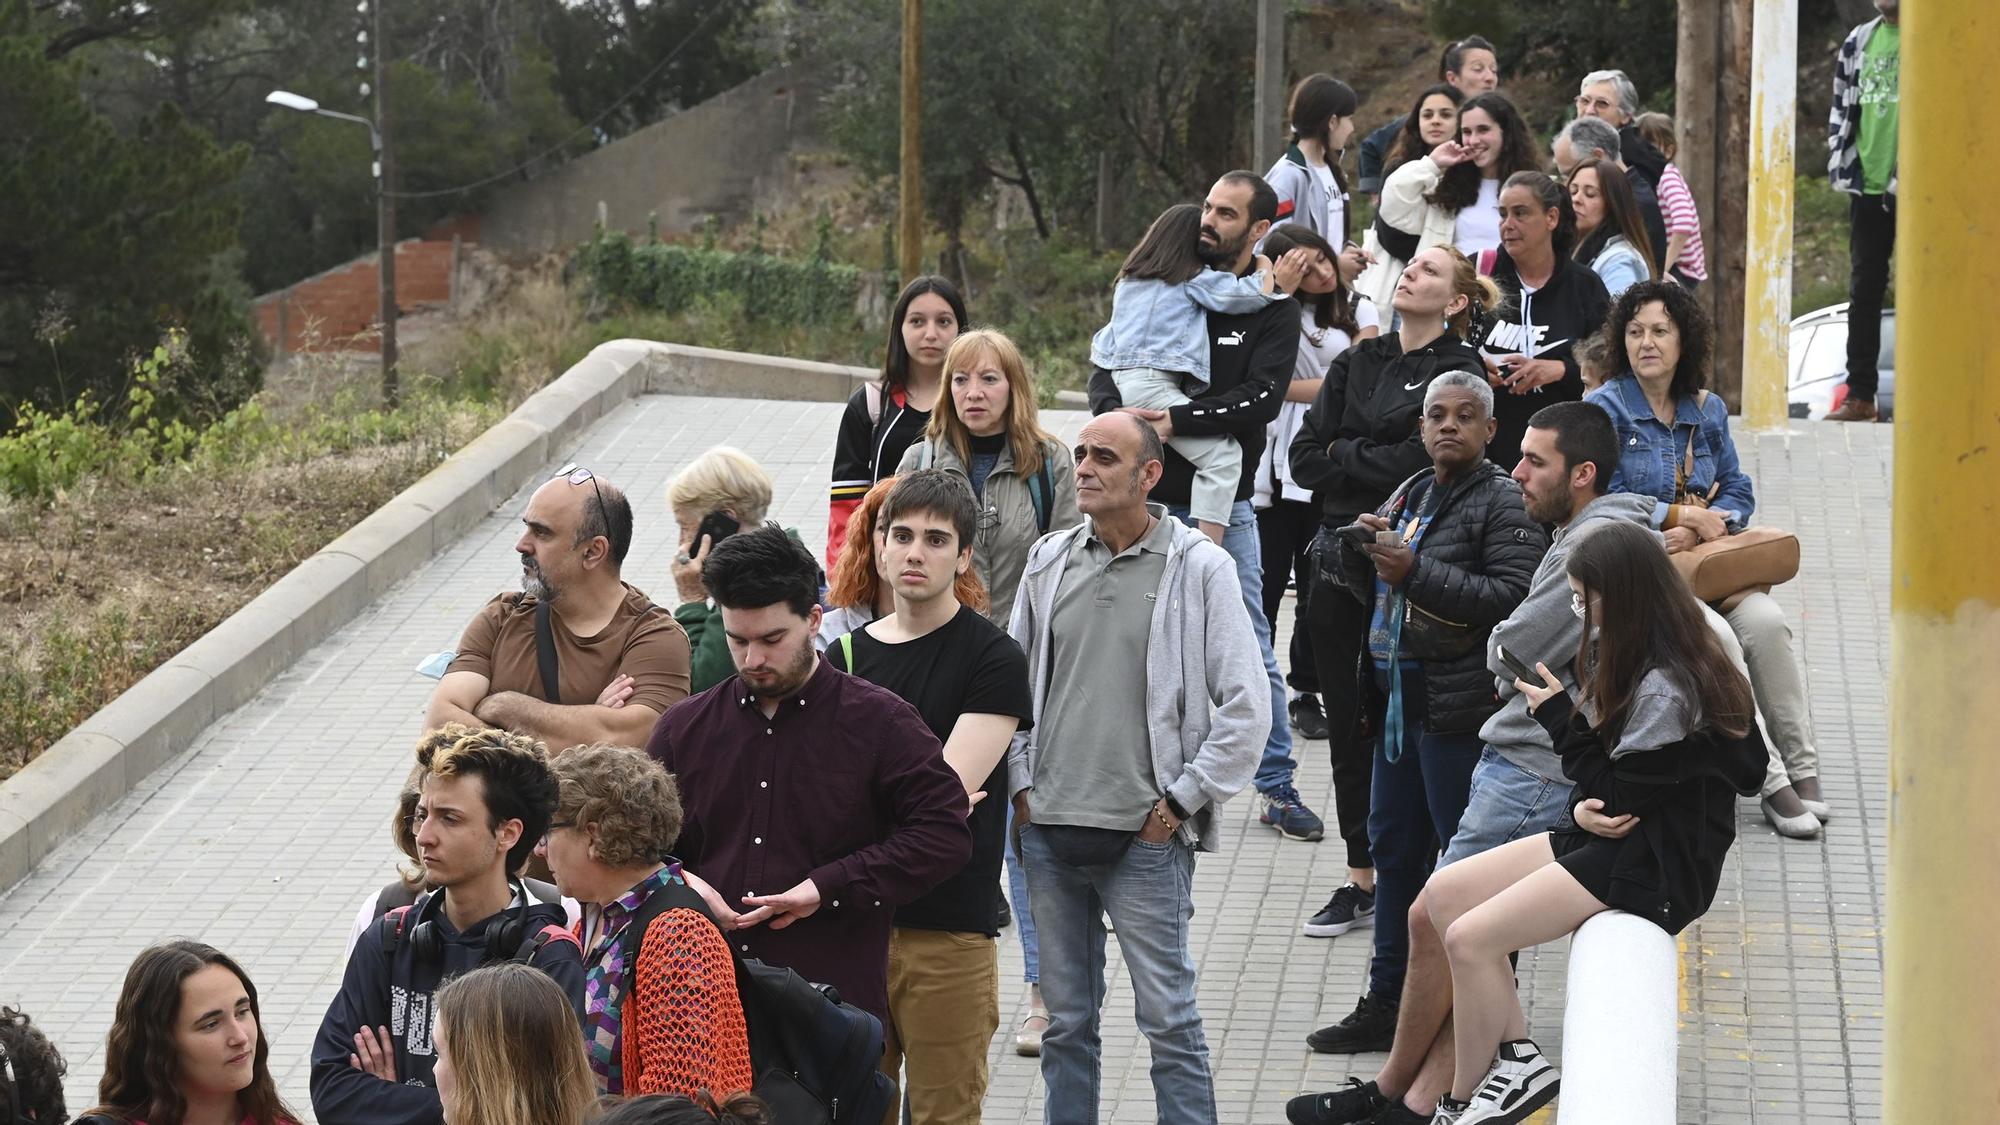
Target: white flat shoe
point(1801, 827)
point(1819, 809)
point(1028, 1038)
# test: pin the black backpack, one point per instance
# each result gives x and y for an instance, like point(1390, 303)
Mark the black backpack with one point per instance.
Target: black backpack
point(817, 1059)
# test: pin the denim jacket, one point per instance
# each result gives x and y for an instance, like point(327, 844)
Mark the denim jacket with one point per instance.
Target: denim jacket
point(1154, 324)
point(1652, 452)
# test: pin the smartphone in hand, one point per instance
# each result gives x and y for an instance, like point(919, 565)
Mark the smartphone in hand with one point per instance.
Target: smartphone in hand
point(1513, 663)
point(715, 527)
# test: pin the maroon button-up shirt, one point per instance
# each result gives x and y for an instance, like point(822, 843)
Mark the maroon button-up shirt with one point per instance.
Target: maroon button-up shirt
point(845, 785)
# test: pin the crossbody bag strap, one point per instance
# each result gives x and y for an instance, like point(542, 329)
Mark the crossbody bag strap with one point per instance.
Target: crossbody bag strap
point(545, 654)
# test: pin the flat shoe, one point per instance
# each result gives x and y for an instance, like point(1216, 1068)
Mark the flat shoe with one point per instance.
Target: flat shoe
point(1801, 827)
point(1819, 809)
point(1028, 1039)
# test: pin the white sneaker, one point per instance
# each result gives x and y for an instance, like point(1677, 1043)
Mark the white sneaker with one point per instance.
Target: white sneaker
point(1448, 1112)
point(1521, 1082)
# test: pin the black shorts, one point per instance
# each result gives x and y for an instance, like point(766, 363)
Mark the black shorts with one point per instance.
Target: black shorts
point(1588, 858)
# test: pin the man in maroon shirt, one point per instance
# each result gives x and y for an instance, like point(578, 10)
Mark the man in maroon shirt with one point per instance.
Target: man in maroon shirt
point(816, 803)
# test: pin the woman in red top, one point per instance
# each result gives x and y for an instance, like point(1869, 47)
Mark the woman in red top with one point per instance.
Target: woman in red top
point(187, 1045)
point(672, 1023)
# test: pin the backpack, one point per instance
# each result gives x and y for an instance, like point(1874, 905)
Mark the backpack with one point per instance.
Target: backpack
point(1041, 491)
point(815, 1056)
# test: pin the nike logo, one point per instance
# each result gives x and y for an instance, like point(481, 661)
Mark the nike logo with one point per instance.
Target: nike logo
point(1415, 385)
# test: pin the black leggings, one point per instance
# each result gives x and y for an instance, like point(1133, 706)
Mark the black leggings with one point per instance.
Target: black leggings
point(1285, 534)
point(1338, 624)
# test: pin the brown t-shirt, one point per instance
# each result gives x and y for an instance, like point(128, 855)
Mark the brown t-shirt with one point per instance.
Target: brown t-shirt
point(642, 640)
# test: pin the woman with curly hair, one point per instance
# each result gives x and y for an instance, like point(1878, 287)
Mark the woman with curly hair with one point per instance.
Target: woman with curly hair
point(1674, 437)
point(31, 1071)
point(507, 1051)
point(1451, 196)
point(661, 1012)
point(187, 1045)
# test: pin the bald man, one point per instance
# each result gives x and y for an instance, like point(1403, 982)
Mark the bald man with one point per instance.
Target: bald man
point(619, 660)
point(1150, 710)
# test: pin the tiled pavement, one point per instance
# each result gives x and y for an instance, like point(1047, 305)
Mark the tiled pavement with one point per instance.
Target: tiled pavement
point(265, 836)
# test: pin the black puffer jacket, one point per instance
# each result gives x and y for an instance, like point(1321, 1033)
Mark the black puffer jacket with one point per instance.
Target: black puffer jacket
point(1361, 435)
point(1474, 564)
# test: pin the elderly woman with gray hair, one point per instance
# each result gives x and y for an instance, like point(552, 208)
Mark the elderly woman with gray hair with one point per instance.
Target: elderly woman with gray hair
point(1448, 556)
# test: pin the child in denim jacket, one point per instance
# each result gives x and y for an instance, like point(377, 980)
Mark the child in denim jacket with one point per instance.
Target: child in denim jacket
point(1156, 346)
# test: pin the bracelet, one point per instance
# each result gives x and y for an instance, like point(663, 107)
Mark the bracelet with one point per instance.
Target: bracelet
point(1171, 826)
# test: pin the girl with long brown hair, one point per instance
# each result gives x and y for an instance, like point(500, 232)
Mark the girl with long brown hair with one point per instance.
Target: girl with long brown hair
point(1660, 745)
point(509, 1052)
point(1611, 237)
point(187, 1045)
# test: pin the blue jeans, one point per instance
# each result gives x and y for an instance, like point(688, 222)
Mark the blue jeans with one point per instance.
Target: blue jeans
point(1414, 803)
point(1274, 772)
point(1506, 804)
point(1024, 914)
point(1149, 894)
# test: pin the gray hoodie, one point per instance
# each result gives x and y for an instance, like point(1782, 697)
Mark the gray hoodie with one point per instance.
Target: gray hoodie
point(1544, 628)
point(1200, 650)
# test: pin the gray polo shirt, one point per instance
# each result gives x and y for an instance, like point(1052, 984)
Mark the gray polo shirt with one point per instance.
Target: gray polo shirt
point(1095, 766)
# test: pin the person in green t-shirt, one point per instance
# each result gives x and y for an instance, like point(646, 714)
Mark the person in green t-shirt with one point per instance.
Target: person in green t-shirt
point(1861, 134)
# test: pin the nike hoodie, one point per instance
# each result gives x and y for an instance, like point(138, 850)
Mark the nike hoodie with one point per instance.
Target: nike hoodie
point(1361, 437)
point(1540, 323)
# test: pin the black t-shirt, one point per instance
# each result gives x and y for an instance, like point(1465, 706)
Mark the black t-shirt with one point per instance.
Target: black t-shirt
point(968, 666)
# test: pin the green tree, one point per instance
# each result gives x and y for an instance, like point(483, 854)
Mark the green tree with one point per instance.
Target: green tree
point(628, 63)
point(106, 238)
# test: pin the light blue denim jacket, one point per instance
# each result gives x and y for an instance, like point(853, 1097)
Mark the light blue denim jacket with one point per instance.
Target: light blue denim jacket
point(1652, 451)
point(1154, 324)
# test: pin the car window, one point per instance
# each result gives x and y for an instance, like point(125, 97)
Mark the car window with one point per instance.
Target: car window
point(1826, 355)
point(1887, 360)
point(1801, 340)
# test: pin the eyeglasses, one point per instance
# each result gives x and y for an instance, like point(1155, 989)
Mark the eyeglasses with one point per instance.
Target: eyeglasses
point(1576, 604)
point(1587, 104)
point(555, 824)
point(577, 474)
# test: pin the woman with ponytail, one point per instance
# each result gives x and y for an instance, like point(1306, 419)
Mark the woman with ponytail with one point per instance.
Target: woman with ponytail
point(1312, 190)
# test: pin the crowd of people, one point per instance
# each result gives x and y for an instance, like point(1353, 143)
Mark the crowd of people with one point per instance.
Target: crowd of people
point(1027, 677)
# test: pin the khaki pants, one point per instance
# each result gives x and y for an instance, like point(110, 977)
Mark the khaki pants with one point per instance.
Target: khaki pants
point(944, 1006)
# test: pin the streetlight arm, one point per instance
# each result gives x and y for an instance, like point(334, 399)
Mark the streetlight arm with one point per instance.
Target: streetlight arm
point(374, 136)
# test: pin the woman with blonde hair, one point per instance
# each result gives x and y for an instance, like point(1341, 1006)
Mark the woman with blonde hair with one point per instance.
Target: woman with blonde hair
point(508, 1052)
point(988, 432)
point(719, 493)
point(855, 593)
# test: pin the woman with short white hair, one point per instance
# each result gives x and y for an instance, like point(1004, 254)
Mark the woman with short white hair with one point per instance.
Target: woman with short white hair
point(719, 492)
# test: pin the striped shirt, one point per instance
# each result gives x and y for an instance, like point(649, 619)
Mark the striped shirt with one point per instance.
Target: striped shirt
point(1677, 208)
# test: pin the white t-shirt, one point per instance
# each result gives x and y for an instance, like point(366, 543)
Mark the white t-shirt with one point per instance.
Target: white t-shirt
point(1312, 363)
point(1336, 207)
point(1478, 226)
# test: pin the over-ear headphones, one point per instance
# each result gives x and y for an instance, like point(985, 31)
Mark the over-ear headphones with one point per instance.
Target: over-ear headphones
point(502, 937)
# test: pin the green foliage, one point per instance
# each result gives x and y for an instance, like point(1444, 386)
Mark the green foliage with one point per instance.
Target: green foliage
point(106, 236)
point(605, 49)
point(672, 278)
point(1567, 39)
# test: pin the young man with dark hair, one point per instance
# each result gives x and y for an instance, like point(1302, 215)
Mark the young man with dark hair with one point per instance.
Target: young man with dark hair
point(1568, 455)
point(1861, 160)
point(486, 803)
point(620, 661)
point(816, 803)
point(969, 681)
point(1250, 359)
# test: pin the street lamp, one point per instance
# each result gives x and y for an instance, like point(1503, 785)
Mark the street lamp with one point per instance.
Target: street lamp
point(385, 222)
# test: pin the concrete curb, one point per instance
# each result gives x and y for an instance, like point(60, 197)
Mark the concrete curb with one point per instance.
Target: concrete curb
point(107, 756)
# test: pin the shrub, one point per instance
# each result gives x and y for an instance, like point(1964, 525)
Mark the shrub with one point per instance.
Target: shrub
point(673, 278)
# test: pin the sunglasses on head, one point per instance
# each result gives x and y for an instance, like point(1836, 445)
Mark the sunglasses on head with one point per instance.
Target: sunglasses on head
point(577, 474)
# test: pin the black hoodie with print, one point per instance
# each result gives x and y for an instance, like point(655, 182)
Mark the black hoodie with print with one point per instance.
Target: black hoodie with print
point(1543, 323)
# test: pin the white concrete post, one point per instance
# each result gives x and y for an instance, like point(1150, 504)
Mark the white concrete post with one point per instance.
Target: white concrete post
point(1621, 1024)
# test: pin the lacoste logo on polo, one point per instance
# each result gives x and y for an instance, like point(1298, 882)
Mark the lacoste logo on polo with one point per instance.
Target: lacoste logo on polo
point(1229, 341)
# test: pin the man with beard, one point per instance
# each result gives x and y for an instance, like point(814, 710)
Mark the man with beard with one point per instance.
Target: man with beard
point(618, 660)
point(1250, 359)
point(816, 803)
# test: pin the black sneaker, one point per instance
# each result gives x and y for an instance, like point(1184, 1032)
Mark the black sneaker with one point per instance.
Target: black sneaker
point(1349, 907)
point(1353, 1103)
point(1396, 1113)
point(1371, 1026)
point(1307, 718)
point(1006, 912)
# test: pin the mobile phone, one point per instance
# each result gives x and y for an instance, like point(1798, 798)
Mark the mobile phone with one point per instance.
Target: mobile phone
point(1521, 671)
point(715, 527)
point(1356, 535)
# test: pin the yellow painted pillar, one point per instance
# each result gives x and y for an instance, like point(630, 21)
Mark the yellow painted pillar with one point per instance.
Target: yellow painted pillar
point(1767, 283)
point(1942, 1054)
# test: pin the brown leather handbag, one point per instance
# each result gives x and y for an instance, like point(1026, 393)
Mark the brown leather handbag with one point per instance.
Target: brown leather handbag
point(1727, 569)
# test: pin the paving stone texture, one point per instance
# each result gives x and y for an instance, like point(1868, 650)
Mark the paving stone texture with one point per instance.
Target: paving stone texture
point(264, 837)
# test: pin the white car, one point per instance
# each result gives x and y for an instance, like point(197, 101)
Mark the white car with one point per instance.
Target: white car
point(1818, 381)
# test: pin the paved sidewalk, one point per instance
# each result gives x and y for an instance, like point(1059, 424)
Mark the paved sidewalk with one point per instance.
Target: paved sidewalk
point(266, 835)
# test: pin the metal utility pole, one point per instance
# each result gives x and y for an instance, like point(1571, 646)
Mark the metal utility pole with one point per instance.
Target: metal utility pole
point(1268, 104)
point(1767, 285)
point(910, 197)
point(385, 211)
point(1941, 1052)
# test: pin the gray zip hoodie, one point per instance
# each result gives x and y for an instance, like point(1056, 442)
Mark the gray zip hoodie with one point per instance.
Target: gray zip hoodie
point(1200, 650)
point(1544, 628)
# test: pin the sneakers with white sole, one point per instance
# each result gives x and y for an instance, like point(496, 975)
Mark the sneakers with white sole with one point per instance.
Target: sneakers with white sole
point(1521, 1082)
